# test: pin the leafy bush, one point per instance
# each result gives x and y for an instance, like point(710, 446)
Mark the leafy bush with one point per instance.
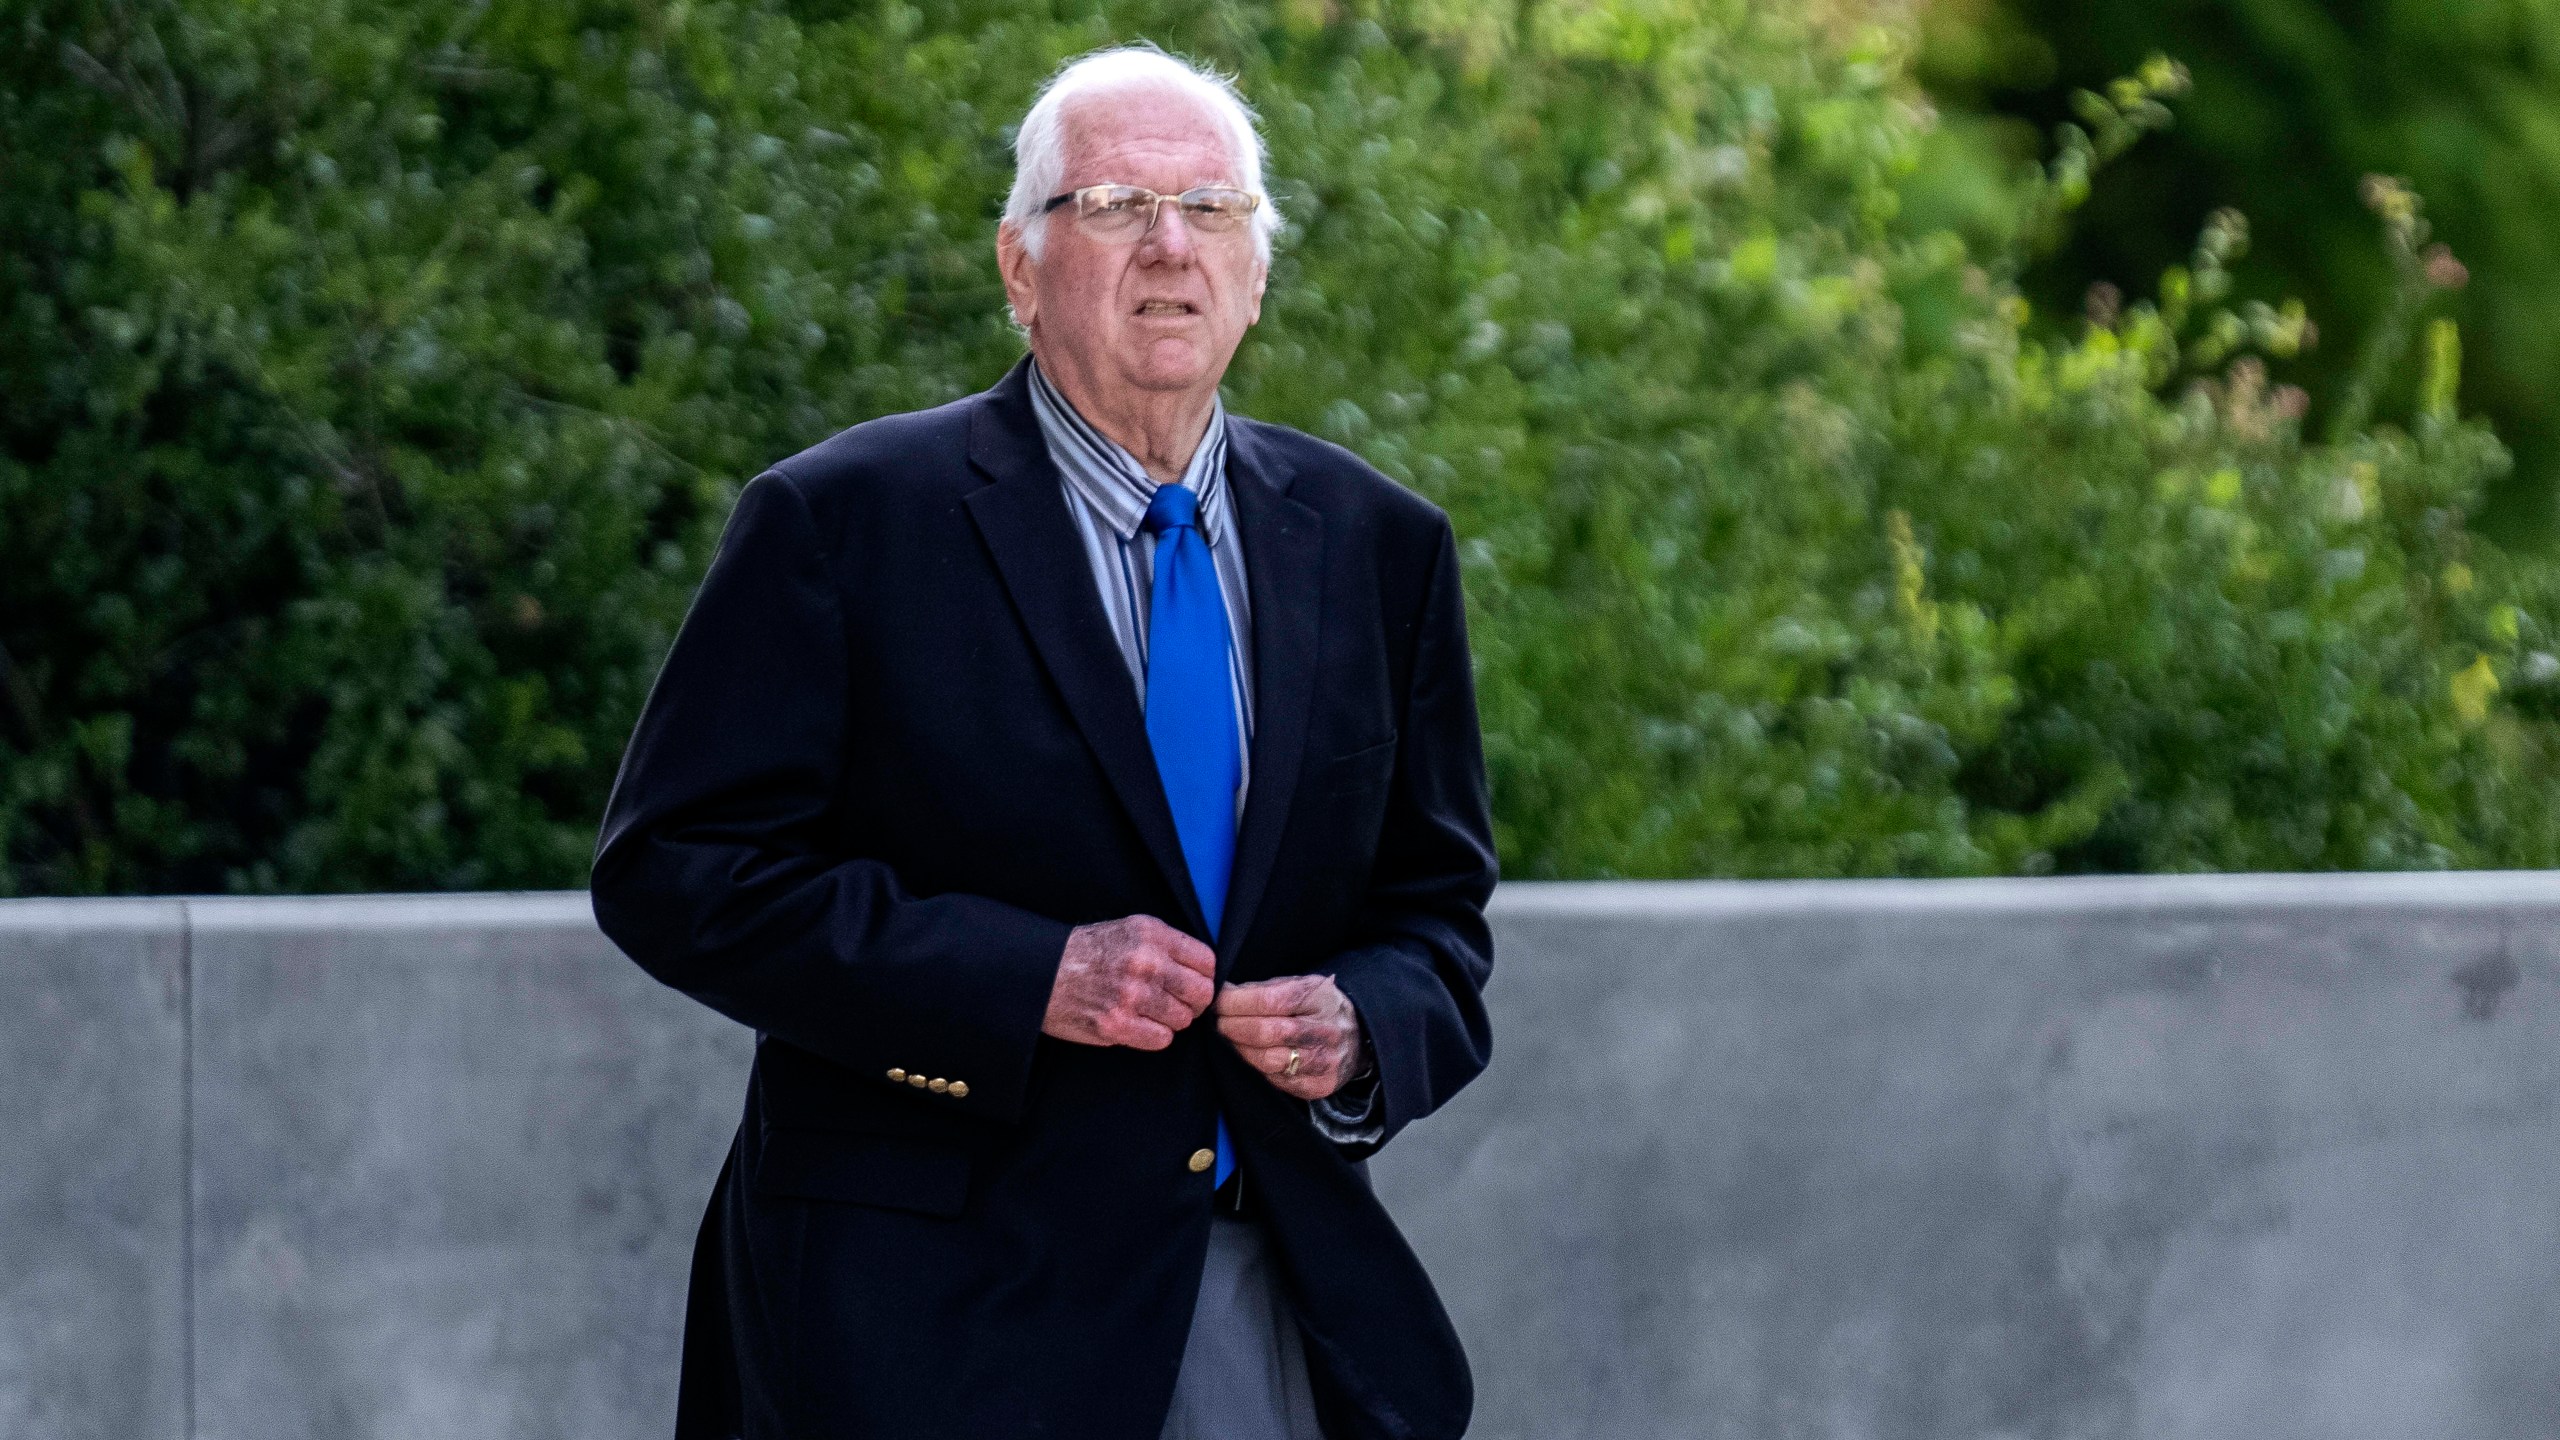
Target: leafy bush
point(374, 379)
point(2295, 101)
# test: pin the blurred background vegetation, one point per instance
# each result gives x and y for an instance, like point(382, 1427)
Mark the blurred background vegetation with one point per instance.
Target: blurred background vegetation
point(2294, 102)
point(375, 378)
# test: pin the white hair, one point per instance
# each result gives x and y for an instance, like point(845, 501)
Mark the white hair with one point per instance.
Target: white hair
point(1039, 146)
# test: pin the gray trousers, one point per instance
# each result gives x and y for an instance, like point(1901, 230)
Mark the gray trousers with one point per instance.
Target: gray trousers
point(1244, 1371)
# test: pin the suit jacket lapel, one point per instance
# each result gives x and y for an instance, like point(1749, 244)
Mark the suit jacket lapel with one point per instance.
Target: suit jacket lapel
point(1284, 570)
point(1023, 518)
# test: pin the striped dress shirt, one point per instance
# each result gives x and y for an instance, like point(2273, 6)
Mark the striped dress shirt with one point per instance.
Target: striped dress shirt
point(1107, 494)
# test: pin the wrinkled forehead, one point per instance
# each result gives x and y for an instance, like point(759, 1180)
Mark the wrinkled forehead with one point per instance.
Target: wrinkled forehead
point(1178, 137)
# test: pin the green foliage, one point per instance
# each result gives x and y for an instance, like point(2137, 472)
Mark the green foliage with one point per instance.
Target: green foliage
point(374, 379)
point(2295, 101)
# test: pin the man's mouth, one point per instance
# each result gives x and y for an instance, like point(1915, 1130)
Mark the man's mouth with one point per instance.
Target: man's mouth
point(1167, 307)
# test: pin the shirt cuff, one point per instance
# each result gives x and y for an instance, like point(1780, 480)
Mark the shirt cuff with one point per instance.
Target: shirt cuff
point(1349, 1116)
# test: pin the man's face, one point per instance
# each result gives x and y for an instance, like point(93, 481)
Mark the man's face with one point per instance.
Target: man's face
point(1124, 316)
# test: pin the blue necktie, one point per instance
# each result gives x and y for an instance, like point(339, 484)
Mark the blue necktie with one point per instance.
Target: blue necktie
point(1191, 711)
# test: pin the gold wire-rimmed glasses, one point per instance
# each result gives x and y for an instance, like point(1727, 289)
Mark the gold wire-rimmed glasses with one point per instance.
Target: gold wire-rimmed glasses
point(1128, 212)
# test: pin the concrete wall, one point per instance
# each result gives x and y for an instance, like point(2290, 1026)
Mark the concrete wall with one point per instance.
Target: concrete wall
point(2073, 1160)
point(93, 1197)
point(2239, 1159)
point(340, 1169)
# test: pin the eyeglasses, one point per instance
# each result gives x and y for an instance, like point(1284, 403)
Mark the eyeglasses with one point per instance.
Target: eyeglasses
point(1128, 212)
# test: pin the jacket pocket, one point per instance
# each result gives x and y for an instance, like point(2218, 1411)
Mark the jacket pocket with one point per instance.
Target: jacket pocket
point(892, 1172)
point(1358, 769)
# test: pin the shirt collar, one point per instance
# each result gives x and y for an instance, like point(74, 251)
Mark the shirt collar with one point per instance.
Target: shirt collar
point(1111, 480)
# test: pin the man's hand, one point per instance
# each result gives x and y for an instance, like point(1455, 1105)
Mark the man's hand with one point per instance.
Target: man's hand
point(1306, 1014)
point(1129, 982)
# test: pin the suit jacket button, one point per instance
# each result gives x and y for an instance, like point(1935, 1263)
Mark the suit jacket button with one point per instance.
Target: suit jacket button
point(959, 1089)
point(897, 1075)
point(937, 1085)
point(917, 1081)
point(1201, 1160)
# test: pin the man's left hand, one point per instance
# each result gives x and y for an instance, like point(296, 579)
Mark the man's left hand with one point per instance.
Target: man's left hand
point(1306, 1015)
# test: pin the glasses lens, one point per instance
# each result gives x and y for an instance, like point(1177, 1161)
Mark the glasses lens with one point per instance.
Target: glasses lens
point(1216, 208)
point(1115, 209)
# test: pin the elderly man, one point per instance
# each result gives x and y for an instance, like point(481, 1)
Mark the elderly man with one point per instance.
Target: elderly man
point(1078, 789)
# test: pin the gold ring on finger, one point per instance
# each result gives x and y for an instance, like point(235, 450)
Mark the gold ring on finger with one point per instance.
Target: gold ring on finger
point(1292, 1067)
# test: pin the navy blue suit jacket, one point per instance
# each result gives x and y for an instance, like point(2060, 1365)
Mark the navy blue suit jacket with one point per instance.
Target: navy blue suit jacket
point(892, 759)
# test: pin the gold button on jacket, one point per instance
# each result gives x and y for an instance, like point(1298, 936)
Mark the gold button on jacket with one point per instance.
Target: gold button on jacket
point(1202, 1160)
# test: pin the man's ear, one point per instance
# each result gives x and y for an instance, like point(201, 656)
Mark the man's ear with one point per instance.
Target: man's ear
point(1261, 274)
point(1014, 263)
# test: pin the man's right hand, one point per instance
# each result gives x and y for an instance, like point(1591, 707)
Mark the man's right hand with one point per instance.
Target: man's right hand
point(1129, 982)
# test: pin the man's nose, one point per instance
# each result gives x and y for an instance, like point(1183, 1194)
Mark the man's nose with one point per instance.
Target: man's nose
point(1169, 240)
